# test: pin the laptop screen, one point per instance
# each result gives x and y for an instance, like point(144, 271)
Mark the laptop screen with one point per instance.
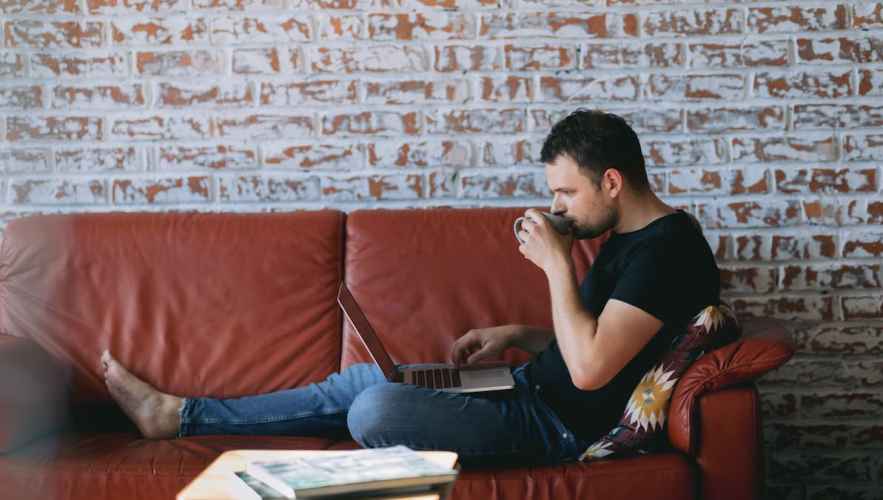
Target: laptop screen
point(363, 329)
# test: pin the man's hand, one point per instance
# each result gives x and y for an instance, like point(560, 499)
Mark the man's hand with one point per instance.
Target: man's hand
point(543, 245)
point(482, 343)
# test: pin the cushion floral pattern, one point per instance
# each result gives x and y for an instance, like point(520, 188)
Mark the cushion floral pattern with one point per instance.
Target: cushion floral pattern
point(640, 428)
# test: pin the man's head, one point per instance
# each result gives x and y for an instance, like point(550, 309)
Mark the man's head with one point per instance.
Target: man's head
point(592, 158)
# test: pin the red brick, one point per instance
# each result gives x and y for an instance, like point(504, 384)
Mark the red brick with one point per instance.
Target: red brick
point(751, 214)
point(804, 373)
point(777, 148)
point(721, 245)
point(812, 308)
point(374, 187)
point(11, 65)
point(755, 280)
point(262, 61)
point(633, 55)
point(863, 147)
point(156, 127)
point(449, 4)
point(54, 35)
point(830, 276)
point(319, 5)
point(79, 65)
point(209, 94)
point(397, 154)
point(472, 121)
point(416, 91)
point(826, 180)
point(372, 123)
point(718, 120)
point(710, 21)
point(583, 89)
point(57, 191)
point(98, 159)
point(164, 190)
point(442, 183)
point(679, 87)
point(694, 180)
point(123, 96)
point(369, 58)
point(135, 6)
point(870, 82)
point(340, 27)
point(21, 97)
point(777, 405)
point(845, 116)
point(459, 58)
point(803, 84)
point(40, 7)
point(788, 19)
point(508, 153)
point(556, 25)
point(25, 161)
point(867, 15)
point(309, 92)
point(803, 247)
point(266, 126)
point(313, 156)
point(421, 26)
point(268, 188)
point(180, 63)
point(544, 57)
point(53, 128)
point(863, 244)
point(237, 5)
point(506, 88)
point(264, 29)
point(865, 374)
point(842, 50)
point(159, 31)
point(836, 339)
point(745, 54)
point(215, 157)
point(484, 185)
point(863, 307)
point(685, 151)
point(830, 405)
point(826, 212)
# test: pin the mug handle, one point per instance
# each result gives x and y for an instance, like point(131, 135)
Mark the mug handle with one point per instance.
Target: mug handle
point(516, 226)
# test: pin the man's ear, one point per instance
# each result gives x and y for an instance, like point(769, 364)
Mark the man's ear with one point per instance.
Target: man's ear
point(612, 182)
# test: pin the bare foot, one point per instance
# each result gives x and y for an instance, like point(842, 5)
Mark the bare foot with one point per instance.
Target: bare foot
point(155, 413)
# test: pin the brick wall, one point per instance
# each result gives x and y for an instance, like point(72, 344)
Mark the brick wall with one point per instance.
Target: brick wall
point(760, 117)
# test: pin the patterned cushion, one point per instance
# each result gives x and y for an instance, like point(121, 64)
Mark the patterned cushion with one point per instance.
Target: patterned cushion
point(640, 430)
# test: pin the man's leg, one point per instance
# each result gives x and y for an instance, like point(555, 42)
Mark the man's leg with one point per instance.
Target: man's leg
point(312, 410)
point(492, 428)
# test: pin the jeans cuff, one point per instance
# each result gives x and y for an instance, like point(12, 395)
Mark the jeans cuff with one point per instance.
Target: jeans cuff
point(182, 415)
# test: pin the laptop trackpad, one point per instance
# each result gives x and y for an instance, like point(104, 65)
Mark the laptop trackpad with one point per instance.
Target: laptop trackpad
point(487, 377)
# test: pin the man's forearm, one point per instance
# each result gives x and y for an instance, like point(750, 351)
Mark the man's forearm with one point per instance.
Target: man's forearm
point(574, 326)
point(532, 339)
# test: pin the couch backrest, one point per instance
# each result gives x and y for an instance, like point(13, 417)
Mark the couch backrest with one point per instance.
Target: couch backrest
point(424, 277)
point(197, 304)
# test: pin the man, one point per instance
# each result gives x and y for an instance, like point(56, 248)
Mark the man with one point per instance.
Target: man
point(651, 277)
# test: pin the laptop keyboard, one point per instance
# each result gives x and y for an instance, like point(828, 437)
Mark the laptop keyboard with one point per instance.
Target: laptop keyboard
point(434, 378)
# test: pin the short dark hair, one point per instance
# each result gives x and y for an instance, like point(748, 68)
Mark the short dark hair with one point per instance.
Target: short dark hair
point(596, 141)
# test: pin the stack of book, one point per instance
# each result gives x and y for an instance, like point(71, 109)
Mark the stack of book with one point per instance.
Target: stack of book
point(386, 471)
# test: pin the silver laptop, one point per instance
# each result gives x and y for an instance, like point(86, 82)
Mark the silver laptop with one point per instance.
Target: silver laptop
point(444, 377)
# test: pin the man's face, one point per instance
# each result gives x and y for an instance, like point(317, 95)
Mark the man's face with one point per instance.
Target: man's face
point(579, 199)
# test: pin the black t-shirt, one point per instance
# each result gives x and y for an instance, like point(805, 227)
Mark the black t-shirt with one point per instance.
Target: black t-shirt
point(666, 269)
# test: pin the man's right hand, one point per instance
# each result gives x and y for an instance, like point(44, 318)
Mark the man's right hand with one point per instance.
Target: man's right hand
point(482, 344)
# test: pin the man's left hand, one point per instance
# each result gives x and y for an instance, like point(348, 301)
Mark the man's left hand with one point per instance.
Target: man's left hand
point(542, 244)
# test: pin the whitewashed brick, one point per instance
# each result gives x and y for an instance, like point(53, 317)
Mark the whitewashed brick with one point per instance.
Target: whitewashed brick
point(97, 159)
point(485, 185)
point(863, 147)
point(171, 30)
point(159, 127)
point(582, 89)
point(416, 91)
point(778, 148)
point(369, 58)
point(57, 191)
point(98, 96)
point(433, 153)
point(678, 87)
point(269, 188)
point(213, 156)
point(308, 157)
point(162, 190)
point(266, 126)
point(25, 161)
point(685, 152)
point(374, 187)
point(91, 64)
point(292, 93)
point(261, 29)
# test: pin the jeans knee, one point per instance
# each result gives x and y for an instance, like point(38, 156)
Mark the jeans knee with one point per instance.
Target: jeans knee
point(371, 412)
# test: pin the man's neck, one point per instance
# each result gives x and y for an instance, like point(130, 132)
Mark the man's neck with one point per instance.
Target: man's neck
point(639, 210)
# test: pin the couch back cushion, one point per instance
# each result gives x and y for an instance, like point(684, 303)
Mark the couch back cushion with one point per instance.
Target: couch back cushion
point(197, 304)
point(424, 277)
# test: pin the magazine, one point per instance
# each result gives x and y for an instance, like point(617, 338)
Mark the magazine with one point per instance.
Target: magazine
point(368, 470)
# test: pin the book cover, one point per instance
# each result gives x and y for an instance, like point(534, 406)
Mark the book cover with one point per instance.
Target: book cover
point(365, 470)
point(250, 487)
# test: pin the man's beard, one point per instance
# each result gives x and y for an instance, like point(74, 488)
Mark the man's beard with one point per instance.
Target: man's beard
point(607, 222)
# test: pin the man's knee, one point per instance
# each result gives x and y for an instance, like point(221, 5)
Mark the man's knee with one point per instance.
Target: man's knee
point(372, 411)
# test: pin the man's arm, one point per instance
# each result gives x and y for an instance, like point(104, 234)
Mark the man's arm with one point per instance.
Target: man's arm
point(595, 349)
point(532, 339)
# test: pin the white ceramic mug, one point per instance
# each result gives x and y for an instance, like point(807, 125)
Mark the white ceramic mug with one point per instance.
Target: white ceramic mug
point(561, 224)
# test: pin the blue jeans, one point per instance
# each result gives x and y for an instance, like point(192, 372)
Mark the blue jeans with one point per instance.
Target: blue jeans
point(493, 428)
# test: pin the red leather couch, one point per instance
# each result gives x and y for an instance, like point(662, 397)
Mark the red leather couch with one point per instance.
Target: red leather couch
point(235, 304)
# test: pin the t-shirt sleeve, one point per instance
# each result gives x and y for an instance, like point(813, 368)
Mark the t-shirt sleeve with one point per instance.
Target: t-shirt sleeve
point(646, 281)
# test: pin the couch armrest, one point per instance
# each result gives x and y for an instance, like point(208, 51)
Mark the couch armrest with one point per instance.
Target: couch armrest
point(33, 392)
